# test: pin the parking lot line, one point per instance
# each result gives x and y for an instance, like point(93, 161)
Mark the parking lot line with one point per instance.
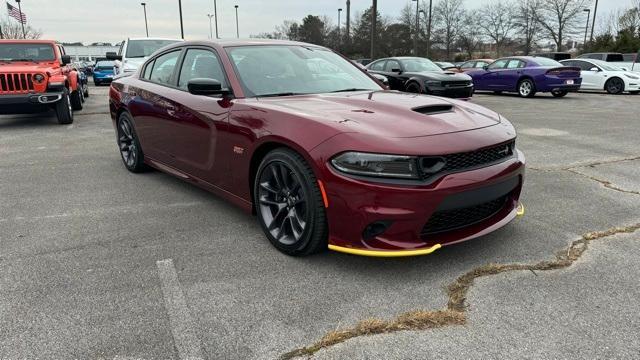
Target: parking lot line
point(184, 337)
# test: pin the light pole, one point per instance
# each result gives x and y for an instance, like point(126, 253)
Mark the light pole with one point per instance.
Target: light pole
point(374, 19)
point(146, 26)
point(429, 29)
point(24, 33)
point(593, 24)
point(210, 28)
point(215, 14)
point(586, 28)
point(237, 26)
point(181, 26)
point(339, 11)
point(415, 36)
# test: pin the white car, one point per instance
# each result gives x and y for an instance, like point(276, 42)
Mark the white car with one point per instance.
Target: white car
point(601, 75)
point(134, 52)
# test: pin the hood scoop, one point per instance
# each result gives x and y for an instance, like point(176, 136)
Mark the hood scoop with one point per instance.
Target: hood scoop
point(434, 109)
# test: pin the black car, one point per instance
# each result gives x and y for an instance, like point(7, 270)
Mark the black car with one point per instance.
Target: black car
point(420, 75)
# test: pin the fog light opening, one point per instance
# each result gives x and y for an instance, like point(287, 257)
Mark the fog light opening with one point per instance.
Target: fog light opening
point(375, 229)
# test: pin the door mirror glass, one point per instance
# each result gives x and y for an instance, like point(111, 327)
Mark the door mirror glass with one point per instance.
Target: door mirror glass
point(204, 86)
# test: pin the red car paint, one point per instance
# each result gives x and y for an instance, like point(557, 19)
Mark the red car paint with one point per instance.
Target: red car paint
point(217, 144)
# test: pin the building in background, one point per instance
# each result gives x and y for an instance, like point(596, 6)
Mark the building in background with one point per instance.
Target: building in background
point(89, 52)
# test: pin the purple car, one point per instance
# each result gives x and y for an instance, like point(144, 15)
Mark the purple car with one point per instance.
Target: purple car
point(527, 75)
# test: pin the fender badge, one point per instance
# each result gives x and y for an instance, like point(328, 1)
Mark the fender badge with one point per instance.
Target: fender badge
point(238, 150)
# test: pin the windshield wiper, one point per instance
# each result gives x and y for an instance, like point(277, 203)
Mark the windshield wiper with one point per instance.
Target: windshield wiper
point(280, 94)
point(21, 60)
point(351, 89)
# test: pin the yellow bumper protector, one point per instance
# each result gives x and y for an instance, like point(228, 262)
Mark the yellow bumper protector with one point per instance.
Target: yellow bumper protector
point(385, 253)
point(520, 210)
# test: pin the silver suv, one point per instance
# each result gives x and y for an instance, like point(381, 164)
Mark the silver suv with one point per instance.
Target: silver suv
point(133, 52)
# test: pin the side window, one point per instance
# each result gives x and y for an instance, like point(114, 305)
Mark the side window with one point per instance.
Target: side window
point(391, 64)
point(163, 67)
point(378, 65)
point(584, 65)
point(500, 64)
point(514, 64)
point(480, 64)
point(121, 48)
point(200, 63)
point(468, 64)
point(147, 71)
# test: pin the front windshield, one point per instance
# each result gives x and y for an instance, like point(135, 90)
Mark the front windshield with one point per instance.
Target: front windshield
point(144, 48)
point(543, 61)
point(606, 66)
point(419, 65)
point(272, 70)
point(26, 52)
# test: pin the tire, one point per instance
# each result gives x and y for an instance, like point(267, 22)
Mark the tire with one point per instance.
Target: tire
point(614, 86)
point(129, 145)
point(413, 87)
point(76, 99)
point(526, 88)
point(559, 93)
point(289, 204)
point(96, 82)
point(81, 92)
point(64, 110)
point(86, 90)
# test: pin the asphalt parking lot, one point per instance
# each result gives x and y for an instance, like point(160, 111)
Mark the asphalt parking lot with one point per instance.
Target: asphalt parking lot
point(99, 263)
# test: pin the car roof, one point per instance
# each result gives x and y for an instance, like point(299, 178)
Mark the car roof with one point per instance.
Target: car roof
point(242, 42)
point(154, 38)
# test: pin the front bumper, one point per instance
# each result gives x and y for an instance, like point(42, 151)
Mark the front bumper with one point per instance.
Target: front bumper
point(27, 103)
point(452, 92)
point(356, 204)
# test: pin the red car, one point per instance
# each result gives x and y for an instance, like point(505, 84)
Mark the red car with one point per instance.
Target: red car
point(317, 149)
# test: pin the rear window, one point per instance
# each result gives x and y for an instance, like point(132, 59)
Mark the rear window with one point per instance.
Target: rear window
point(542, 61)
point(104, 65)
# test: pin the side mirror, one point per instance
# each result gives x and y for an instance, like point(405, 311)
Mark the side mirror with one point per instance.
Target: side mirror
point(486, 67)
point(111, 55)
point(65, 59)
point(204, 86)
point(395, 70)
point(595, 69)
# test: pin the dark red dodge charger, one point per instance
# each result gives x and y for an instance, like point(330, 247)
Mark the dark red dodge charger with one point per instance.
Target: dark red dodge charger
point(317, 149)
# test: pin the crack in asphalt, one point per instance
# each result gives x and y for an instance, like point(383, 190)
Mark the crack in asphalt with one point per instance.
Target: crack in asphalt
point(585, 164)
point(606, 183)
point(455, 312)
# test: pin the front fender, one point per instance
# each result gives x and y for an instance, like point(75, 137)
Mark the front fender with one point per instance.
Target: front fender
point(73, 80)
point(417, 80)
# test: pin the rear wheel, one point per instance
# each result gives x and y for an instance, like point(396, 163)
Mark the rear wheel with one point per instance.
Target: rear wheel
point(559, 93)
point(63, 108)
point(614, 86)
point(76, 99)
point(526, 88)
point(413, 88)
point(130, 149)
point(289, 204)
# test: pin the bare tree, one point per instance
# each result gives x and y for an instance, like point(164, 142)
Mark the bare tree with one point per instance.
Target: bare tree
point(471, 35)
point(527, 25)
point(630, 19)
point(448, 16)
point(13, 30)
point(497, 22)
point(559, 18)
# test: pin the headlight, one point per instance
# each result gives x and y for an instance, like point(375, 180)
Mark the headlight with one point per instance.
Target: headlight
point(38, 78)
point(378, 165)
point(632, 76)
point(433, 83)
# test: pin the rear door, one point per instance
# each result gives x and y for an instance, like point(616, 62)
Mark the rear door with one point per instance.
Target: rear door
point(396, 80)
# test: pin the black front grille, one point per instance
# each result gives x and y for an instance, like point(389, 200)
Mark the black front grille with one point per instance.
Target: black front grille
point(15, 82)
point(447, 220)
point(467, 160)
point(459, 83)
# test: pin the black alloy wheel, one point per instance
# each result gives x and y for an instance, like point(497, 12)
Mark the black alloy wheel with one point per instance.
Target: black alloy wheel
point(289, 204)
point(614, 86)
point(413, 87)
point(129, 146)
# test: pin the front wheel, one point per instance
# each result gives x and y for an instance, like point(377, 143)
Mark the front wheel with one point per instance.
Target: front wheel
point(526, 88)
point(559, 93)
point(63, 108)
point(86, 90)
point(76, 99)
point(413, 88)
point(614, 86)
point(289, 204)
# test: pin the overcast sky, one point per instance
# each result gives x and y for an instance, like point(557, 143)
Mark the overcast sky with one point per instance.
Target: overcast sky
point(114, 20)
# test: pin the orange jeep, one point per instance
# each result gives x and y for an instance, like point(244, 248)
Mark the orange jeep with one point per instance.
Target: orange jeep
point(35, 76)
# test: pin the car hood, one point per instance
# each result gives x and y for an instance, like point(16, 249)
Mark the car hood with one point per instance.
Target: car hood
point(26, 67)
point(387, 113)
point(440, 76)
